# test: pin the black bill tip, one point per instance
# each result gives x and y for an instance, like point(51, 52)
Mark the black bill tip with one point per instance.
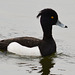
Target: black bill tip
point(66, 27)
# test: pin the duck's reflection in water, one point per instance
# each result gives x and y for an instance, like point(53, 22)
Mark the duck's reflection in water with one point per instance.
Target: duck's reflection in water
point(47, 63)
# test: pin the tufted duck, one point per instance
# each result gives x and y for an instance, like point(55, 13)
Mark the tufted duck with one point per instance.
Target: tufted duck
point(33, 46)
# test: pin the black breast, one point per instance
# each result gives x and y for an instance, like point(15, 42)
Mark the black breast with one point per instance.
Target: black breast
point(47, 47)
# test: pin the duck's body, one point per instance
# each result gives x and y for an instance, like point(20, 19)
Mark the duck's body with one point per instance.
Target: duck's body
point(29, 46)
point(43, 47)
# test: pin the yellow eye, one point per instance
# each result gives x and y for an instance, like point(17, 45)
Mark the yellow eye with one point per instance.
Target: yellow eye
point(52, 17)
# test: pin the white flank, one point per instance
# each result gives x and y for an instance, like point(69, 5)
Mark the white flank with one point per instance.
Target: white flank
point(16, 48)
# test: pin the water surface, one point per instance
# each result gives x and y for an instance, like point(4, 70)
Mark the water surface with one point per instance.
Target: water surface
point(18, 18)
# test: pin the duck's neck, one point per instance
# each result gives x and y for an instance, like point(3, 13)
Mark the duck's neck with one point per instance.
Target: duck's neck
point(46, 27)
point(47, 35)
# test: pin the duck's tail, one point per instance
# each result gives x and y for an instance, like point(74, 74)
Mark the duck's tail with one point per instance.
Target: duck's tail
point(3, 46)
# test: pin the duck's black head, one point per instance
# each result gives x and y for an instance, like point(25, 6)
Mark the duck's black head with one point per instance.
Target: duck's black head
point(48, 18)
